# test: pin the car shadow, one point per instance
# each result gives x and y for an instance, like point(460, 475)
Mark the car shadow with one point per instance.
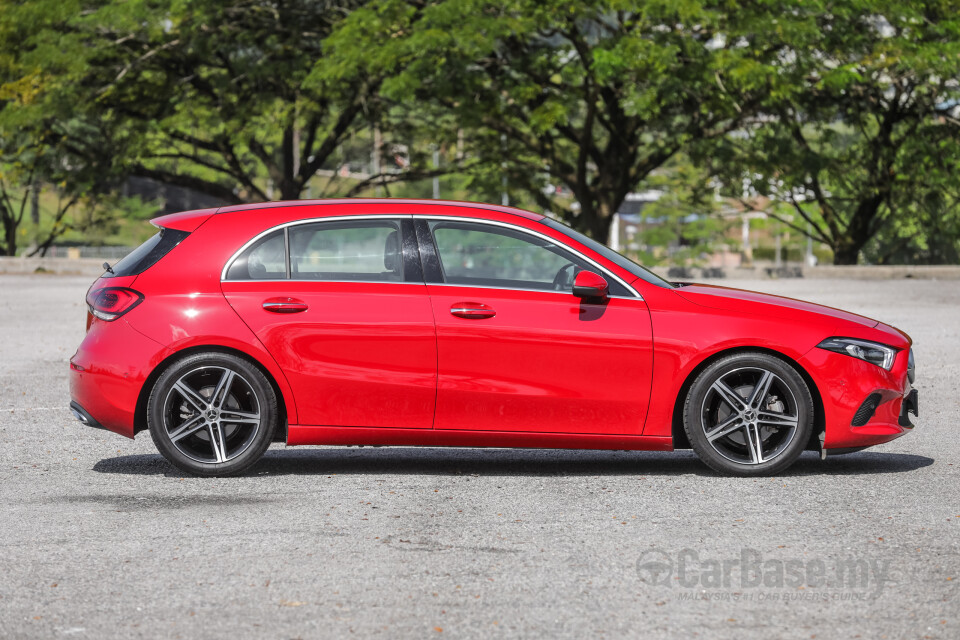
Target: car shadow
point(510, 462)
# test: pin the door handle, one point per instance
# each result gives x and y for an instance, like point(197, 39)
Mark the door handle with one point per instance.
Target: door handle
point(472, 310)
point(284, 305)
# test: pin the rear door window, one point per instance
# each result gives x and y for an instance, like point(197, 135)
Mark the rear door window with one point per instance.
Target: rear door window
point(362, 250)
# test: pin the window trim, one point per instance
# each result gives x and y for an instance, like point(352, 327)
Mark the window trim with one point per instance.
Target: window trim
point(286, 253)
point(286, 234)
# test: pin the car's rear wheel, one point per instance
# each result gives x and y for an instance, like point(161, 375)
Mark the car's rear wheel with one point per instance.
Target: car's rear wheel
point(748, 414)
point(212, 414)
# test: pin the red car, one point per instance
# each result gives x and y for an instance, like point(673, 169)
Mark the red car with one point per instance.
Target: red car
point(407, 322)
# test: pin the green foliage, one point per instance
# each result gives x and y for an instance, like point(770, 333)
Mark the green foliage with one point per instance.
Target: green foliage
point(51, 150)
point(843, 115)
point(207, 95)
point(681, 226)
point(592, 96)
point(864, 105)
point(926, 233)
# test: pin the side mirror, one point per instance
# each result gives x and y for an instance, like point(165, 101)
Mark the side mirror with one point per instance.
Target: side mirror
point(588, 284)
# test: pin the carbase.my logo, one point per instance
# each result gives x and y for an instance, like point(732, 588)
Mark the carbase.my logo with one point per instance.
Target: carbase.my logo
point(750, 569)
point(655, 567)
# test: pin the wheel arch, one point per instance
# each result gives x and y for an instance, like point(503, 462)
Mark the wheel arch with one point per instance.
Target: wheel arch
point(680, 440)
point(140, 413)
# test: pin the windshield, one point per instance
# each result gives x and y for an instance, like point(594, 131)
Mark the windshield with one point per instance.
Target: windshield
point(608, 253)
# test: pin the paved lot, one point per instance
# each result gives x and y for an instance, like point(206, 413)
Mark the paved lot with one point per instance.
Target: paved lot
point(101, 538)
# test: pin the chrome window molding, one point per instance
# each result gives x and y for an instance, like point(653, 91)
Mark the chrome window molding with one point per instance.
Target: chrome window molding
point(308, 280)
point(286, 225)
point(480, 286)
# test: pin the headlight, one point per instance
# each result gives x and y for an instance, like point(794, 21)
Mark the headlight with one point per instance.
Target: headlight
point(873, 352)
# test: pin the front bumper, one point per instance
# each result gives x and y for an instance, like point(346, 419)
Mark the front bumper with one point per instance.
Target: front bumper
point(846, 384)
point(910, 404)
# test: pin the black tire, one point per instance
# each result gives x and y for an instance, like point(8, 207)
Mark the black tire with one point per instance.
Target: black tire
point(212, 414)
point(761, 430)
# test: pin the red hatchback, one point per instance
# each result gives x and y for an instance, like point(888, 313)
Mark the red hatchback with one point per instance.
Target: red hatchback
point(405, 322)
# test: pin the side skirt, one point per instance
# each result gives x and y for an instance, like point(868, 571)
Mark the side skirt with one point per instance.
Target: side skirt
point(313, 435)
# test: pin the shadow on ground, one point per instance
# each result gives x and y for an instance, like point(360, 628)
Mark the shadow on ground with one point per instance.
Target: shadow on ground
point(504, 462)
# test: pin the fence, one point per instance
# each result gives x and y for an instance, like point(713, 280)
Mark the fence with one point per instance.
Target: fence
point(101, 253)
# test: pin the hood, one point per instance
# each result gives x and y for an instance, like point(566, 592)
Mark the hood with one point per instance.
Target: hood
point(764, 304)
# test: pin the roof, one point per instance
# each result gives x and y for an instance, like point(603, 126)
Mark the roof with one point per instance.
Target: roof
point(420, 202)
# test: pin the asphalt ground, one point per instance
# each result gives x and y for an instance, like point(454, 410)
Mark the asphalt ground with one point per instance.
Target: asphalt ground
point(101, 538)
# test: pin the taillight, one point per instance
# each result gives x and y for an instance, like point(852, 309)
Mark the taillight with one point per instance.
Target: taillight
point(110, 303)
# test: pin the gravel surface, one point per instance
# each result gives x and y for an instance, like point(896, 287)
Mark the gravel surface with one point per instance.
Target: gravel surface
point(101, 538)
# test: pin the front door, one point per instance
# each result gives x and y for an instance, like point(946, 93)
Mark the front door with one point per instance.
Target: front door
point(517, 351)
point(342, 307)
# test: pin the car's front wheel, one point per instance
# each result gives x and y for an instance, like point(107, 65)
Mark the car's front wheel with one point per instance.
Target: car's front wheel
point(212, 414)
point(748, 414)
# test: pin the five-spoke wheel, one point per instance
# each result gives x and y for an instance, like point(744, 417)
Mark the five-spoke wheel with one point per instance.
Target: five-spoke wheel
point(748, 414)
point(212, 414)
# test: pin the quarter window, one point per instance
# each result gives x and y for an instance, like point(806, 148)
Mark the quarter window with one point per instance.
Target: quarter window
point(266, 259)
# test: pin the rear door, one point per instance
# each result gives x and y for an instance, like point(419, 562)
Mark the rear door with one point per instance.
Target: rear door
point(517, 351)
point(342, 307)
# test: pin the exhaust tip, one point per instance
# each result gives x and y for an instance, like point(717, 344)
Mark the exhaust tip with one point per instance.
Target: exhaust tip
point(83, 417)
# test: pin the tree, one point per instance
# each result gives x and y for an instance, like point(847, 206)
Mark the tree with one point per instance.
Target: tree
point(214, 96)
point(925, 230)
point(209, 95)
point(847, 139)
point(40, 137)
point(13, 208)
point(86, 193)
point(681, 224)
point(591, 96)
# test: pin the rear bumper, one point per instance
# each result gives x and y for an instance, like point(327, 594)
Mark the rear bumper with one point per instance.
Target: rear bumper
point(108, 372)
point(846, 383)
point(83, 416)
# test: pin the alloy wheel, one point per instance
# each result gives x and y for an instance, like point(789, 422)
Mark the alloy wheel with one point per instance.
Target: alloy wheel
point(750, 415)
point(211, 414)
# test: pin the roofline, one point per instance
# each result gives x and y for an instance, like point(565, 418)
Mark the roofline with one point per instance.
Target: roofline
point(529, 215)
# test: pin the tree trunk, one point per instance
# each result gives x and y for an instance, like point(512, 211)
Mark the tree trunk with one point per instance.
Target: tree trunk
point(600, 229)
point(847, 248)
point(288, 183)
point(289, 190)
point(846, 253)
point(590, 221)
point(9, 247)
